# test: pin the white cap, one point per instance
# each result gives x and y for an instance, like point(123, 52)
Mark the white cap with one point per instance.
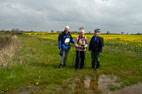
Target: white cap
point(67, 27)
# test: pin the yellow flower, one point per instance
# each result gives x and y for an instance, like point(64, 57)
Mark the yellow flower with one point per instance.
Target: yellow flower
point(37, 83)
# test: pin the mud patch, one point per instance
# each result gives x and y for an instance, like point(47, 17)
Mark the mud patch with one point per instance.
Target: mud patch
point(27, 90)
point(134, 89)
point(24, 90)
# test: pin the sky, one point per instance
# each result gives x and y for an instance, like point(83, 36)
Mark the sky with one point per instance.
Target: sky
point(115, 16)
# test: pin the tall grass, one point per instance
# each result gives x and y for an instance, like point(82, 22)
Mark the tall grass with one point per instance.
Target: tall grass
point(8, 48)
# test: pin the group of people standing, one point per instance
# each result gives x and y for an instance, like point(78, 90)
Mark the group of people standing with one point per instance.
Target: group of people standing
point(81, 44)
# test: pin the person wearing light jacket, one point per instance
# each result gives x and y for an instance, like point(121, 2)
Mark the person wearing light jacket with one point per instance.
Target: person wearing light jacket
point(64, 40)
point(81, 44)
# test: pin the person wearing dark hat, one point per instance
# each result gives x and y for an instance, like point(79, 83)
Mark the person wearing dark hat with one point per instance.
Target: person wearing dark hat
point(95, 46)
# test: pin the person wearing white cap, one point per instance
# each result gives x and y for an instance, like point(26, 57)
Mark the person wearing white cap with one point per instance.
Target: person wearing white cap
point(81, 44)
point(64, 40)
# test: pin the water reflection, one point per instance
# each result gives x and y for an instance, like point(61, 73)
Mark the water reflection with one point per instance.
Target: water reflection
point(92, 85)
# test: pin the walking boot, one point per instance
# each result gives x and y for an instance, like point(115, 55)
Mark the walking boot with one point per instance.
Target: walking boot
point(60, 66)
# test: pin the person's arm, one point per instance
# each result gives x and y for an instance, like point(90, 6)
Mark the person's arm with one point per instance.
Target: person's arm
point(86, 42)
point(72, 40)
point(101, 44)
point(90, 44)
point(59, 41)
point(76, 42)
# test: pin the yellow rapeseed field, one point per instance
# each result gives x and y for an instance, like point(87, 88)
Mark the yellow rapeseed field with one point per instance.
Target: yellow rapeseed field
point(130, 43)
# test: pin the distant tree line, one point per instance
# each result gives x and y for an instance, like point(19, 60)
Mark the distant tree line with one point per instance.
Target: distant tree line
point(18, 31)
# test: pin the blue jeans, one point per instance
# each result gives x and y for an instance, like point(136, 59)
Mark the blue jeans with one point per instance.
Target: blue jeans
point(95, 59)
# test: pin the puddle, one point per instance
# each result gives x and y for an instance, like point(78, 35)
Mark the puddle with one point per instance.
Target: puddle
point(106, 81)
point(93, 85)
point(101, 84)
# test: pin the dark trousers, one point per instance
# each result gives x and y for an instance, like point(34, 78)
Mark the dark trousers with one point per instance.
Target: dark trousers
point(95, 59)
point(80, 55)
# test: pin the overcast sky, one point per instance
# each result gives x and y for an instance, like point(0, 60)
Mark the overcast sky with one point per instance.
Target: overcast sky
point(108, 15)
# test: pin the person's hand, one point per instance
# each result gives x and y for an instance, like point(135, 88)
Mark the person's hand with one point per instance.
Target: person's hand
point(79, 46)
point(82, 46)
point(100, 51)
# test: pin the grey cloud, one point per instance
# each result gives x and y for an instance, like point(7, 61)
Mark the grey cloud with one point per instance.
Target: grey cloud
point(113, 15)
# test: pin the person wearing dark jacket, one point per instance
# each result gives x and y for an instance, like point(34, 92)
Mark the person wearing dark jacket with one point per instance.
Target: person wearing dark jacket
point(95, 46)
point(64, 40)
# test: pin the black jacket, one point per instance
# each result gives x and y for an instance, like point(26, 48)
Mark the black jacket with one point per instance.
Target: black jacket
point(96, 44)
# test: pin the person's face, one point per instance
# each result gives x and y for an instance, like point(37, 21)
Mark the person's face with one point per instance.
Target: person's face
point(81, 33)
point(67, 30)
point(96, 33)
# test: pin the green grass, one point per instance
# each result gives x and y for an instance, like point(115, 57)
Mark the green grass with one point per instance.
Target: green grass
point(36, 64)
point(1, 33)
